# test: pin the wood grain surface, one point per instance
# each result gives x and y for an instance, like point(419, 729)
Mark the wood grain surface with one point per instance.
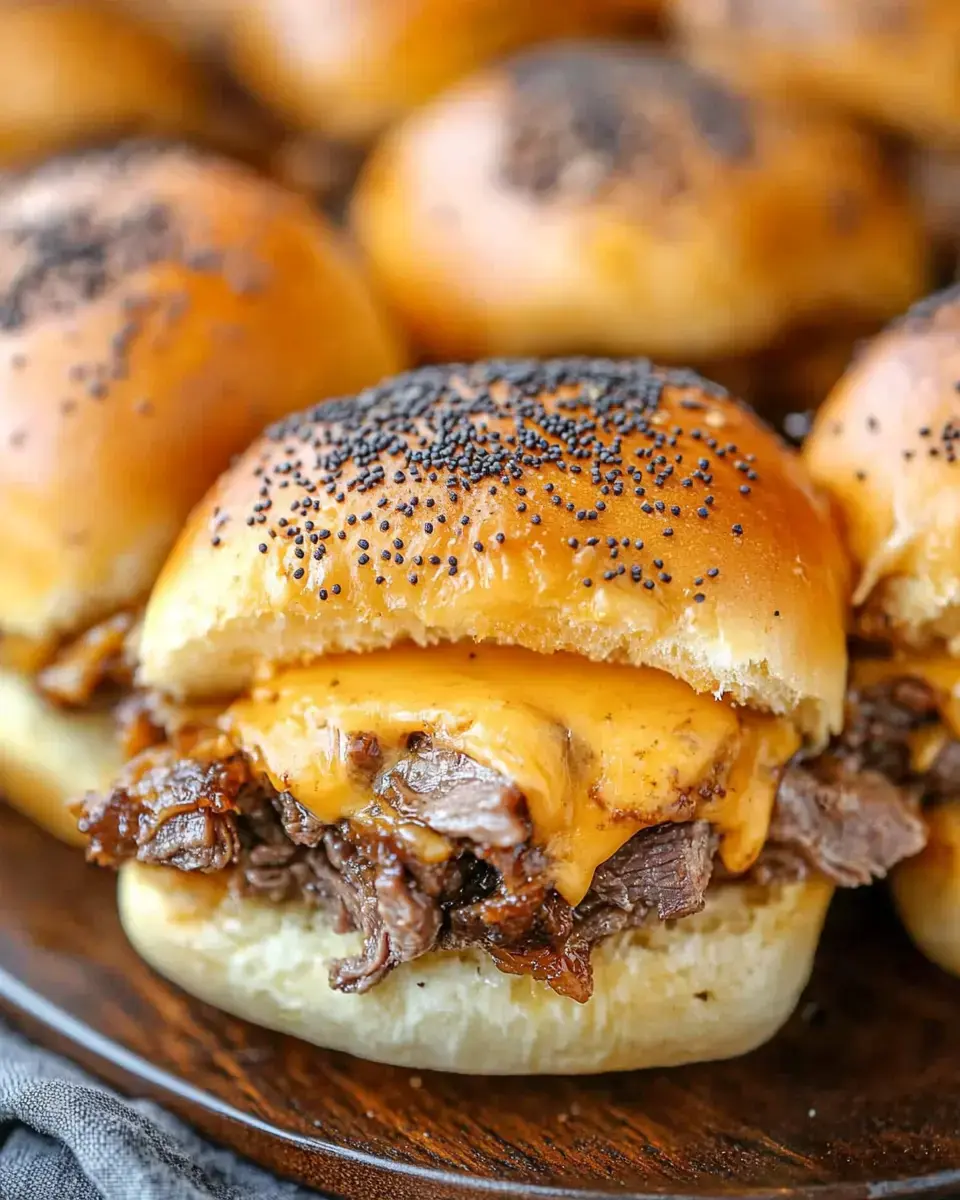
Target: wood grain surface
point(858, 1097)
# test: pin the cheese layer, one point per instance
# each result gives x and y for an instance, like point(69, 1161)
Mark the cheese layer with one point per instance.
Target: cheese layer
point(599, 750)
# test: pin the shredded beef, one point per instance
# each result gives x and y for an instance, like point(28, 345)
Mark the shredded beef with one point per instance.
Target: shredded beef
point(853, 813)
point(357, 893)
point(849, 815)
point(880, 721)
point(663, 870)
point(668, 870)
point(180, 812)
point(530, 929)
point(943, 778)
point(850, 826)
point(101, 655)
point(410, 917)
point(299, 824)
point(204, 815)
point(455, 795)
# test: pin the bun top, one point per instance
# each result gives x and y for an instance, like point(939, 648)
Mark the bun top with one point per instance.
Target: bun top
point(885, 446)
point(349, 67)
point(604, 196)
point(891, 60)
point(617, 510)
point(76, 71)
point(158, 307)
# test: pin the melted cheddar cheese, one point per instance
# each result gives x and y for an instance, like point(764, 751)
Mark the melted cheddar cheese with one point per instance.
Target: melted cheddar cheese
point(599, 750)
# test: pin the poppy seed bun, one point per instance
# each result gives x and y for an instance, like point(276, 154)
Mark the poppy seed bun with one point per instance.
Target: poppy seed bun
point(347, 68)
point(610, 199)
point(892, 62)
point(157, 308)
point(79, 72)
point(48, 756)
point(927, 889)
point(883, 446)
point(614, 509)
point(712, 986)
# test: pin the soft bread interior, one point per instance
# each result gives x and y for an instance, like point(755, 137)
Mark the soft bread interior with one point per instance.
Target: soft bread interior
point(710, 986)
point(49, 758)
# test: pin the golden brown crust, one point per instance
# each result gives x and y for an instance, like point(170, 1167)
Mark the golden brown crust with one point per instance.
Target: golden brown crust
point(351, 66)
point(608, 508)
point(80, 72)
point(610, 199)
point(884, 446)
point(891, 60)
point(157, 308)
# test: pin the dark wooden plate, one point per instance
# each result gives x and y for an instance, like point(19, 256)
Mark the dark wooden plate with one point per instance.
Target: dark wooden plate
point(858, 1097)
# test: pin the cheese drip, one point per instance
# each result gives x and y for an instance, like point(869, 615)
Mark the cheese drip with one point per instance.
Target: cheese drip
point(599, 750)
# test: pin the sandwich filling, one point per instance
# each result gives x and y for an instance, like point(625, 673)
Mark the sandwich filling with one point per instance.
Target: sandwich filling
point(527, 805)
point(71, 672)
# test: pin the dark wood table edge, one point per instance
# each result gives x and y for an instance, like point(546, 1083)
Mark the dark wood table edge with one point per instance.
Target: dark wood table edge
point(39, 1018)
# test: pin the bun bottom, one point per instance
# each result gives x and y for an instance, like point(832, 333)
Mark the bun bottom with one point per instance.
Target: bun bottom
point(927, 889)
point(711, 986)
point(48, 757)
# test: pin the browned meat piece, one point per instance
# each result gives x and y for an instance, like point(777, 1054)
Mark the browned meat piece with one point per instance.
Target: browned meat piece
point(528, 932)
point(663, 870)
point(455, 796)
point(194, 806)
point(411, 918)
point(358, 895)
point(101, 655)
point(180, 812)
point(363, 753)
point(512, 915)
point(667, 868)
point(879, 722)
point(942, 781)
point(567, 971)
point(850, 826)
point(778, 864)
point(300, 825)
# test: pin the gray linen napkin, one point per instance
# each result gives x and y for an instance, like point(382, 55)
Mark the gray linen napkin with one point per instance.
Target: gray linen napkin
point(63, 1136)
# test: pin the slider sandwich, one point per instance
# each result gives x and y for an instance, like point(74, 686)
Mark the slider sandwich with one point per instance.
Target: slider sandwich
point(609, 196)
point(349, 68)
point(157, 307)
point(492, 718)
point(885, 445)
point(891, 64)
